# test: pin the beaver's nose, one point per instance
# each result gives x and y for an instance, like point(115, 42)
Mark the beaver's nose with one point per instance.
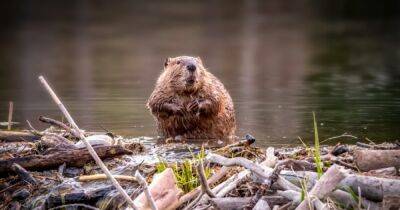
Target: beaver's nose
point(191, 67)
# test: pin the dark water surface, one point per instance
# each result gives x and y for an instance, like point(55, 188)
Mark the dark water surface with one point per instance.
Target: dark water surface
point(279, 61)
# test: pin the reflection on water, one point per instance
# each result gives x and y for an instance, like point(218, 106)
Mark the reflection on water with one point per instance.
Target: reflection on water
point(279, 61)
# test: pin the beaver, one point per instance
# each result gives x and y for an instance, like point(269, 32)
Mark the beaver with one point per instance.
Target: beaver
point(191, 103)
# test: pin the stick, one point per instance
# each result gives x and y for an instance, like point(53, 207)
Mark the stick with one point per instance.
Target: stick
point(85, 178)
point(88, 146)
point(143, 183)
point(325, 185)
point(10, 115)
point(58, 124)
point(203, 180)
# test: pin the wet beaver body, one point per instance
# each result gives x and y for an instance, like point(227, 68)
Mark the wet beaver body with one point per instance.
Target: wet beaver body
point(190, 102)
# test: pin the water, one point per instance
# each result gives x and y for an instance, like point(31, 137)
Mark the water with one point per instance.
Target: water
point(279, 61)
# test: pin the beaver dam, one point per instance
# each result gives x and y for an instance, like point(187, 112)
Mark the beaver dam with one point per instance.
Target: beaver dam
point(65, 167)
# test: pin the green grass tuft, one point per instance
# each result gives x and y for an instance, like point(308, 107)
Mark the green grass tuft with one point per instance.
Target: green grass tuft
point(317, 155)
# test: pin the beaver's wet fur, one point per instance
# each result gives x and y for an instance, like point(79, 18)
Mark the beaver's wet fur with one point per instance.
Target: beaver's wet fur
point(190, 102)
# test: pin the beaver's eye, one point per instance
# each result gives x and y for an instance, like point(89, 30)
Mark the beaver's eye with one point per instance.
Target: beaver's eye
point(178, 62)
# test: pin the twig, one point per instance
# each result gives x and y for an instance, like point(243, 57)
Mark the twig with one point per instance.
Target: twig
point(203, 180)
point(194, 202)
point(10, 115)
point(239, 161)
point(75, 205)
point(84, 178)
point(143, 183)
point(58, 124)
point(88, 146)
point(341, 136)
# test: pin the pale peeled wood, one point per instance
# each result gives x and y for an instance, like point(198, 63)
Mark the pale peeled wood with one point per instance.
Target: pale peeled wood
point(367, 160)
point(326, 184)
point(163, 190)
point(86, 178)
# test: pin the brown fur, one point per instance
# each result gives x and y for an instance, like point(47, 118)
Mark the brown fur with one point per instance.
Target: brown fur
point(203, 110)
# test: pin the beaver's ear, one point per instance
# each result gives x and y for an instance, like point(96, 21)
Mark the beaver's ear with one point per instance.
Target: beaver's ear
point(167, 60)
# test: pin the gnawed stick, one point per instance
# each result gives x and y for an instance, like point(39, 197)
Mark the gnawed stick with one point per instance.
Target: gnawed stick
point(375, 159)
point(239, 161)
point(85, 178)
point(326, 184)
point(203, 180)
point(88, 146)
point(143, 183)
point(10, 115)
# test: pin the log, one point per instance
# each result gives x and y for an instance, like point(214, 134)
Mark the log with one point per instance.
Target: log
point(74, 157)
point(372, 188)
point(374, 159)
point(23, 174)
point(326, 184)
point(15, 136)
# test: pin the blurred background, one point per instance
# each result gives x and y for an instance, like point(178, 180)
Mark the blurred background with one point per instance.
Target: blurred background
point(280, 60)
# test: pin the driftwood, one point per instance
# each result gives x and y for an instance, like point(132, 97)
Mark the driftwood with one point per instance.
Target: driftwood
point(74, 157)
point(14, 136)
point(23, 174)
point(374, 159)
point(326, 184)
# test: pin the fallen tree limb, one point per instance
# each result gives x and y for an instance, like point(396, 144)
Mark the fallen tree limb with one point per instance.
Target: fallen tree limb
point(15, 136)
point(73, 157)
point(374, 159)
point(95, 177)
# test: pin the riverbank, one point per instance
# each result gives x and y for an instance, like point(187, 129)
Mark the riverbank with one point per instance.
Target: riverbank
point(52, 168)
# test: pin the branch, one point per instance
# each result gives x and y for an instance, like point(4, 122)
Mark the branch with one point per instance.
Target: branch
point(143, 183)
point(88, 146)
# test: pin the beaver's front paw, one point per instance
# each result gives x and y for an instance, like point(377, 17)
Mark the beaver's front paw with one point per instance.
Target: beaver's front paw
point(171, 109)
point(193, 107)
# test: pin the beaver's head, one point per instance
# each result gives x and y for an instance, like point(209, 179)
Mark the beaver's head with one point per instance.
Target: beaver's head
point(184, 73)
